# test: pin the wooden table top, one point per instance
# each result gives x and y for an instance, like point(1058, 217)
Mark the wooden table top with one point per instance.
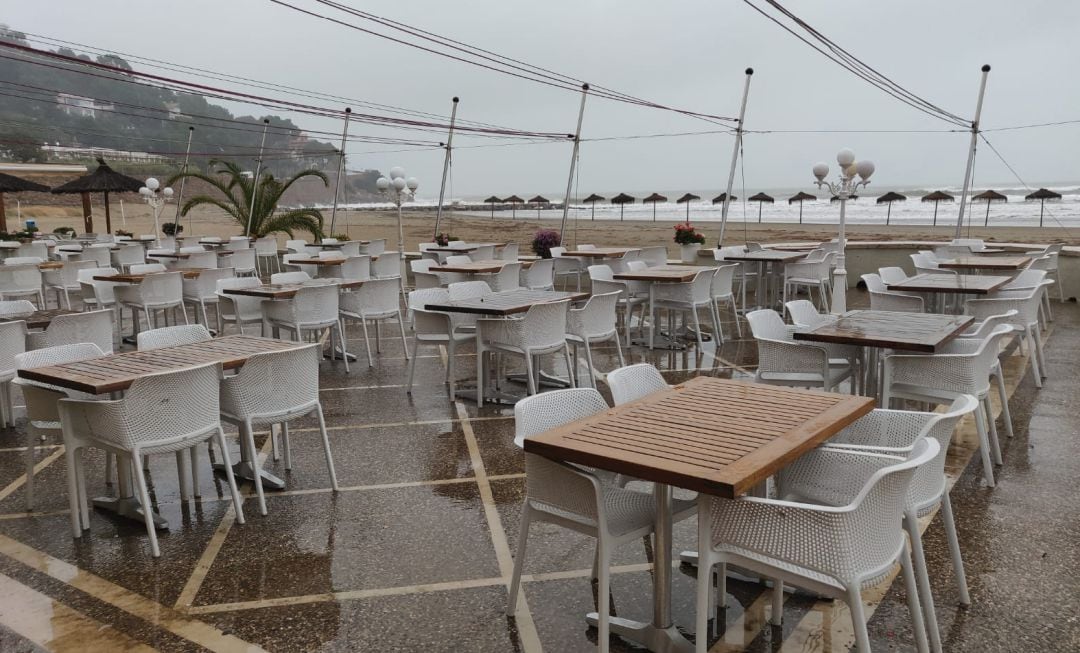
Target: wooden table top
point(288, 290)
point(169, 255)
point(711, 435)
point(601, 252)
point(317, 261)
point(40, 319)
point(793, 248)
point(475, 267)
point(50, 265)
point(117, 372)
point(991, 250)
point(505, 303)
point(766, 256)
point(919, 332)
point(967, 284)
point(464, 249)
point(986, 263)
point(137, 278)
point(669, 273)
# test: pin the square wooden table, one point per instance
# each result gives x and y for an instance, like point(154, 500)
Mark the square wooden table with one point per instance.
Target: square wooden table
point(663, 273)
point(288, 290)
point(712, 435)
point(476, 267)
point(919, 332)
point(963, 284)
point(767, 256)
point(40, 319)
point(501, 304)
point(50, 265)
point(179, 255)
point(137, 278)
point(986, 263)
point(317, 261)
point(600, 252)
point(452, 250)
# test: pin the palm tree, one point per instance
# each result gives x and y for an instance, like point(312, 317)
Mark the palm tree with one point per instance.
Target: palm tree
point(235, 200)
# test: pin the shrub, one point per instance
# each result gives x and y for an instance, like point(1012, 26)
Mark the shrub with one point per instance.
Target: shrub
point(544, 240)
point(171, 228)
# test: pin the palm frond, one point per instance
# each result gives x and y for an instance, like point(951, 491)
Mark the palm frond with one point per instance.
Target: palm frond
point(309, 220)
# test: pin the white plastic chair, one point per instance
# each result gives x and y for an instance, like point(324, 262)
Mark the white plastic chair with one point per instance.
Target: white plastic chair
point(633, 382)
point(1051, 254)
point(312, 308)
point(811, 274)
point(723, 292)
point(925, 264)
point(377, 301)
point(23, 260)
point(238, 243)
point(286, 278)
point(374, 248)
point(433, 329)
point(567, 266)
point(685, 297)
point(148, 268)
point(173, 336)
point(162, 291)
point(355, 268)
point(964, 369)
point(466, 322)
point(631, 295)
point(125, 256)
point(654, 256)
point(577, 498)
point(509, 252)
point(238, 309)
point(298, 246)
point(65, 281)
point(882, 299)
point(891, 275)
point(483, 253)
point(835, 551)
point(12, 343)
point(540, 275)
point(593, 323)
point(38, 249)
point(21, 281)
point(506, 278)
point(1025, 322)
point(243, 261)
point(202, 290)
point(266, 254)
point(275, 388)
point(784, 361)
point(541, 330)
point(160, 413)
point(350, 248)
point(94, 327)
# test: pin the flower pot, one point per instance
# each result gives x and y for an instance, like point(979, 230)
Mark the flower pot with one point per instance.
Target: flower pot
point(689, 252)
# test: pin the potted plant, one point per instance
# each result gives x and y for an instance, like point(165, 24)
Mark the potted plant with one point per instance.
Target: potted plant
point(442, 240)
point(171, 228)
point(689, 240)
point(544, 240)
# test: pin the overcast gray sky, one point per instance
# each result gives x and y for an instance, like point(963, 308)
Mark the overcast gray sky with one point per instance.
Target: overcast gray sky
point(687, 54)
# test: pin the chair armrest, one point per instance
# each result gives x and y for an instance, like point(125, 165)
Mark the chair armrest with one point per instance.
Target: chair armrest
point(833, 476)
point(783, 356)
point(562, 486)
point(94, 419)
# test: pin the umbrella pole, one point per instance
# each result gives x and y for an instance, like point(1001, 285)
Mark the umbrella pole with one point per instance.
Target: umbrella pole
point(759, 212)
point(621, 207)
point(446, 167)
point(935, 214)
point(180, 193)
point(986, 222)
point(123, 216)
point(3, 215)
point(1042, 207)
point(340, 166)
point(888, 214)
point(654, 211)
point(255, 179)
point(734, 158)
point(573, 159)
point(971, 151)
point(88, 215)
point(108, 216)
point(593, 218)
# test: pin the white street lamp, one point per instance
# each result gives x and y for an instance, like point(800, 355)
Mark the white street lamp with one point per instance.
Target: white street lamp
point(399, 189)
point(852, 175)
point(156, 197)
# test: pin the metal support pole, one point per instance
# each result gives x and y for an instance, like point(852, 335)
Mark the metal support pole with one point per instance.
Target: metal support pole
point(180, 194)
point(341, 165)
point(971, 150)
point(839, 294)
point(573, 160)
point(255, 179)
point(446, 168)
point(734, 157)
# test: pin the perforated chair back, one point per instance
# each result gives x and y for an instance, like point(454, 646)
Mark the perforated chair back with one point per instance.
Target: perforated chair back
point(148, 268)
point(468, 290)
point(634, 381)
point(273, 383)
point(387, 266)
point(510, 252)
point(93, 327)
point(654, 256)
point(23, 260)
point(356, 268)
point(172, 336)
point(804, 314)
point(508, 278)
point(289, 277)
point(601, 272)
point(542, 412)
point(892, 275)
point(483, 253)
point(377, 297)
point(20, 279)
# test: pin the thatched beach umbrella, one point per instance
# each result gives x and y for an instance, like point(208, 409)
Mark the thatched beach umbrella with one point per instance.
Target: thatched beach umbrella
point(800, 197)
point(492, 201)
point(653, 199)
point(593, 199)
point(686, 199)
point(539, 201)
point(1042, 195)
point(836, 198)
point(622, 199)
point(10, 184)
point(514, 200)
point(988, 197)
point(889, 198)
point(761, 198)
point(104, 180)
point(937, 197)
point(719, 199)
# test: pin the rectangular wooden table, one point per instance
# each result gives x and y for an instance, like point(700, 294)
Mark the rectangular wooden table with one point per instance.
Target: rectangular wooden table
point(919, 332)
point(317, 261)
point(50, 265)
point(476, 267)
point(964, 284)
point(766, 256)
point(137, 278)
point(288, 290)
point(40, 319)
point(452, 250)
point(600, 252)
point(711, 435)
point(986, 263)
point(663, 273)
point(501, 304)
point(180, 255)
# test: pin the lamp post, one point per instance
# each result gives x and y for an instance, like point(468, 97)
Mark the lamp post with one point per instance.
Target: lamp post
point(156, 197)
point(843, 188)
point(399, 189)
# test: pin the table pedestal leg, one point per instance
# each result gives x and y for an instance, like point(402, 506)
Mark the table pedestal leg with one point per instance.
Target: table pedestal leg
point(126, 504)
point(246, 471)
point(660, 635)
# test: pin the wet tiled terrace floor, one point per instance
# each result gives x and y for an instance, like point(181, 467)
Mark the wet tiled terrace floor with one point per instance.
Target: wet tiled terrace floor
point(415, 552)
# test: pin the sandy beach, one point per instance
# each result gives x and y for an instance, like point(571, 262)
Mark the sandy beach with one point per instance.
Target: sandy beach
point(419, 228)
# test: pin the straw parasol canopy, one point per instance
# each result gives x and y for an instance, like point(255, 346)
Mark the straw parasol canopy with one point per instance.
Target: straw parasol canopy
point(539, 201)
point(104, 180)
point(836, 198)
point(622, 199)
point(10, 184)
point(653, 199)
point(593, 199)
point(514, 200)
point(761, 198)
point(988, 197)
point(719, 199)
point(492, 201)
point(1042, 195)
point(686, 199)
point(937, 197)
point(889, 198)
point(800, 197)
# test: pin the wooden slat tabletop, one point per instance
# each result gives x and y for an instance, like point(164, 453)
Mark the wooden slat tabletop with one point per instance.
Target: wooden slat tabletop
point(986, 263)
point(670, 273)
point(505, 303)
point(317, 261)
point(40, 319)
point(169, 255)
point(920, 332)
point(715, 436)
point(600, 252)
point(50, 265)
point(137, 278)
point(287, 290)
point(117, 372)
point(465, 249)
point(967, 284)
point(766, 256)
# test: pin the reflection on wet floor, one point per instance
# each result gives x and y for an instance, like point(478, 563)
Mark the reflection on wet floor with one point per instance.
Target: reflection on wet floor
point(414, 553)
